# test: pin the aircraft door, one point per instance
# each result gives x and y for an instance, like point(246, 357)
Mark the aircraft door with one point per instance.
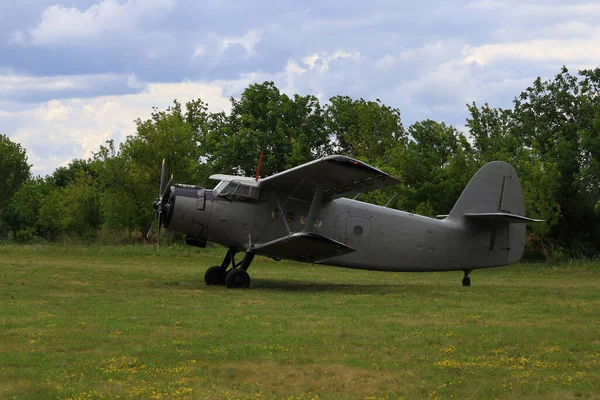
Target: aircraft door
point(358, 233)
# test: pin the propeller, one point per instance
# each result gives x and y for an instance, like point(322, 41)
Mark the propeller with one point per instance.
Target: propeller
point(160, 203)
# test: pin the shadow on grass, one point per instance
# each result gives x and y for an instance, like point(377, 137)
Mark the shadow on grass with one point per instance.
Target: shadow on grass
point(319, 287)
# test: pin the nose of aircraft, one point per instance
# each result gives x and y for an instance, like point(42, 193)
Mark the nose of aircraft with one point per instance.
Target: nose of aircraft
point(183, 208)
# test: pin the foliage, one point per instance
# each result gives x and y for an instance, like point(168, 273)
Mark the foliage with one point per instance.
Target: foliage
point(434, 167)
point(14, 171)
point(363, 129)
point(63, 176)
point(289, 130)
point(22, 213)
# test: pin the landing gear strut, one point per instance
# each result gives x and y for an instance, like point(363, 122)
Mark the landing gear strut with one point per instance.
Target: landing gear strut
point(466, 281)
point(235, 277)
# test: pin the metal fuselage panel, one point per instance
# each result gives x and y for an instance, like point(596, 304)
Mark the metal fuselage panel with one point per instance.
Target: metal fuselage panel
point(384, 239)
point(401, 241)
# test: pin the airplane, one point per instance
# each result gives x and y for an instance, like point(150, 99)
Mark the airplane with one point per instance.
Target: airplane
point(304, 214)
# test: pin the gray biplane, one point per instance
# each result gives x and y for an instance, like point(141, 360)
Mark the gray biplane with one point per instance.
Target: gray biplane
point(304, 214)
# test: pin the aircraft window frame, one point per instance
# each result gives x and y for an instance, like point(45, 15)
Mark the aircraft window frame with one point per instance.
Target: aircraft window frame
point(232, 190)
point(243, 191)
point(220, 186)
point(247, 193)
point(229, 191)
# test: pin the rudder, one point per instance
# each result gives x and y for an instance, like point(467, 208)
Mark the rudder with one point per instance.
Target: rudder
point(492, 204)
point(495, 188)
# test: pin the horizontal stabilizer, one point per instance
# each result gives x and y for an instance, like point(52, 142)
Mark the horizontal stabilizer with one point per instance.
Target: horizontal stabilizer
point(303, 246)
point(501, 218)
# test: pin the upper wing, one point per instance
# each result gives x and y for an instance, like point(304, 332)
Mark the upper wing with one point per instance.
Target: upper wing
point(339, 176)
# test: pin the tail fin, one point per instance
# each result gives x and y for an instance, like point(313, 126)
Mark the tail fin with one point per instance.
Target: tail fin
point(495, 188)
point(492, 204)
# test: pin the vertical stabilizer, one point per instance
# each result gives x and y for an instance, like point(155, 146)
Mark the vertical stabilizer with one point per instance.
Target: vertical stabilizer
point(492, 204)
point(495, 188)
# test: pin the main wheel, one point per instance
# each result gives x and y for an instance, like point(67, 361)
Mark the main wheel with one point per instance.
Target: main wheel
point(237, 278)
point(466, 281)
point(214, 276)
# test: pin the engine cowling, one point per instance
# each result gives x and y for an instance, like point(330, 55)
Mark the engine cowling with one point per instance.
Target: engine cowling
point(188, 210)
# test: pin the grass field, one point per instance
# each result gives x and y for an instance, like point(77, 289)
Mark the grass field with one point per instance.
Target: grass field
point(126, 322)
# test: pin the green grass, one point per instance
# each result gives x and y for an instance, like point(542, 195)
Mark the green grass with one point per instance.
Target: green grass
point(100, 322)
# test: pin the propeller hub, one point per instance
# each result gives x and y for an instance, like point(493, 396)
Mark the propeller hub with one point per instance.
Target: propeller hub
point(156, 204)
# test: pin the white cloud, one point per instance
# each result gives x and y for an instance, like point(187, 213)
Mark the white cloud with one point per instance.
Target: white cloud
point(55, 132)
point(58, 24)
point(321, 61)
point(248, 41)
point(581, 52)
point(313, 72)
point(199, 50)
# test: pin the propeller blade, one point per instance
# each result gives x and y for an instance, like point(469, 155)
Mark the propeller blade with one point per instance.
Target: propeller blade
point(163, 173)
point(159, 226)
point(159, 204)
point(151, 225)
point(167, 187)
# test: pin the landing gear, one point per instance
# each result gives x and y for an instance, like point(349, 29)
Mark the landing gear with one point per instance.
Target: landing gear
point(214, 276)
point(466, 281)
point(235, 277)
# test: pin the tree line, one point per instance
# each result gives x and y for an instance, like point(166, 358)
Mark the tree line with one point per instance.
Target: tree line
point(551, 136)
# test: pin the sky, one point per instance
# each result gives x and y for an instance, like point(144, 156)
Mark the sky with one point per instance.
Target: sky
point(76, 73)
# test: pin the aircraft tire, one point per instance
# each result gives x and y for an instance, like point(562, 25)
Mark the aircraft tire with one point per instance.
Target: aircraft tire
point(214, 276)
point(237, 278)
point(466, 281)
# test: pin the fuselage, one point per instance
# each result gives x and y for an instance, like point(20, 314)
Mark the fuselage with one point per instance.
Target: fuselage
point(383, 239)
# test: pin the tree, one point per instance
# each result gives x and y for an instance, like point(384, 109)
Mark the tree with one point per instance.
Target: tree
point(363, 129)
point(552, 137)
point(122, 198)
point(22, 213)
point(289, 130)
point(14, 171)
point(63, 176)
point(491, 130)
point(434, 167)
point(52, 215)
point(81, 200)
point(557, 119)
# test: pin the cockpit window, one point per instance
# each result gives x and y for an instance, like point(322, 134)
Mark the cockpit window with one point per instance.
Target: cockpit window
point(236, 191)
point(243, 191)
point(229, 190)
point(219, 187)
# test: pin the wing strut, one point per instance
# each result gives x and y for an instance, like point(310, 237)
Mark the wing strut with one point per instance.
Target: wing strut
point(283, 215)
point(314, 207)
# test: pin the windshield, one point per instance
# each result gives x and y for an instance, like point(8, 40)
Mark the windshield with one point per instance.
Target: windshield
point(219, 187)
point(233, 190)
